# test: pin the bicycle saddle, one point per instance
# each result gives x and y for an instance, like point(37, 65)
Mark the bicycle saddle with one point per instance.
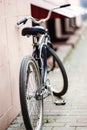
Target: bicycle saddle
point(33, 30)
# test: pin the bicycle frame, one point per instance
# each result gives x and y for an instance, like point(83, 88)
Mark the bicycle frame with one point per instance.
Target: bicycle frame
point(38, 49)
point(40, 54)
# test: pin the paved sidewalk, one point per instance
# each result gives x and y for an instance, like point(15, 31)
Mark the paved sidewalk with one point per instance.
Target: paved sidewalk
point(72, 116)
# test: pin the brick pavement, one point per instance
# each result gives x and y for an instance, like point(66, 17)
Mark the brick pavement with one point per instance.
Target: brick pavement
point(72, 116)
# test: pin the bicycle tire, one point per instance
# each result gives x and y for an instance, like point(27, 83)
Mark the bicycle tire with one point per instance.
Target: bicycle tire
point(64, 88)
point(32, 119)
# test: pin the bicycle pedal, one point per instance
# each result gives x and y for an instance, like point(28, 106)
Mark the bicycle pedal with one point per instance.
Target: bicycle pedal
point(59, 101)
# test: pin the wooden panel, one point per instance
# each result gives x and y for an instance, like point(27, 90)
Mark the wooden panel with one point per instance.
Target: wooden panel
point(14, 56)
point(10, 7)
point(12, 49)
point(5, 90)
point(1, 8)
point(23, 7)
point(3, 43)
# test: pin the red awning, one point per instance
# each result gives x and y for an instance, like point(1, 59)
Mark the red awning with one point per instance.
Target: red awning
point(39, 12)
point(40, 8)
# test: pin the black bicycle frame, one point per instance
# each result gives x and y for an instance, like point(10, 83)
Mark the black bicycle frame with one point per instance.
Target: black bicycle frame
point(44, 63)
point(40, 55)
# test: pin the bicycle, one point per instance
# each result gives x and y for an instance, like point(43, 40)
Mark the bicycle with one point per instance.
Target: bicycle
point(34, 83)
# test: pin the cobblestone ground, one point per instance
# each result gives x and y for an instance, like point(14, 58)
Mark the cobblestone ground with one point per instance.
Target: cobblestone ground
point(73, 115)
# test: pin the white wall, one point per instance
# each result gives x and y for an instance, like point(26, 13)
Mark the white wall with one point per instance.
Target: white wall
point(12, 49)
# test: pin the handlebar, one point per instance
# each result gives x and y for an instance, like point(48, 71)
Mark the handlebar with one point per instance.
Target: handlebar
point(23, 21)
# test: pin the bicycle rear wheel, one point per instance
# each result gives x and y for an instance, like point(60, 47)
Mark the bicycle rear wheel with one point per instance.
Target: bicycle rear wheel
point(29, 81)
point(58, 77)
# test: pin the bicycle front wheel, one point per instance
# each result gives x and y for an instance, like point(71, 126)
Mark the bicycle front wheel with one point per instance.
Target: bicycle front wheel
point(29, 81)
point(58, 77)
